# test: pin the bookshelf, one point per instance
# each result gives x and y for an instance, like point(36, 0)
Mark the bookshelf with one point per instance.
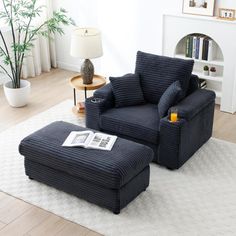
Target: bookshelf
point(223, 34)
point(218, 62)
point(213, 82)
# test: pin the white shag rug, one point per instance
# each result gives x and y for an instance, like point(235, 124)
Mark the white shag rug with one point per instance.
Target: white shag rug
point(197, 199)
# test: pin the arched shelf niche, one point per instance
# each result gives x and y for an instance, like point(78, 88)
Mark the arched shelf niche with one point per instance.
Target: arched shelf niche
point(215, 58)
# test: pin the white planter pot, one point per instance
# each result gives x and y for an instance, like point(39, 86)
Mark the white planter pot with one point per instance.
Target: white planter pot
point(212, 73)
point(206, 72)
point(17, 97)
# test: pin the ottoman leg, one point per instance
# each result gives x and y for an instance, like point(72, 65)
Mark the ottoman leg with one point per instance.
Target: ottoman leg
point(116, 212)
point(31, 178)
point(169, 168)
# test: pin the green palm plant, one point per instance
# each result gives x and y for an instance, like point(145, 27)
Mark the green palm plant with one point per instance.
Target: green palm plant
point(18, 16)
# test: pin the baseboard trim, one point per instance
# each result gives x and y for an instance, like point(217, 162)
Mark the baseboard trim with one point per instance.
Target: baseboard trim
point(67, 66)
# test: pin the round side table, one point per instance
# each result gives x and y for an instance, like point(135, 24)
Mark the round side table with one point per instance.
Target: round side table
point(77, 84)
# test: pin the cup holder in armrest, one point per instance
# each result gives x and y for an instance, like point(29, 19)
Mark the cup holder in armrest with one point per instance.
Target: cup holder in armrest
point(96, 100)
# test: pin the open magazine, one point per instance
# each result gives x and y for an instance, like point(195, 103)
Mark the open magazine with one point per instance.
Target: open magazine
point(89, 139)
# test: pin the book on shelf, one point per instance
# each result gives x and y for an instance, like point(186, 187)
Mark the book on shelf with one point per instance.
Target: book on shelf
point(200, 47)
point(202, 83)
point(194, 47)
point(80, 106)
point(205, 49)
point(197, 48)
point(89, 139)
point(189, 46)
point(187, 49)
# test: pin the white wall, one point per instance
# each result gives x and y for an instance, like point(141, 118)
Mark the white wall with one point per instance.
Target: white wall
point(126, 25)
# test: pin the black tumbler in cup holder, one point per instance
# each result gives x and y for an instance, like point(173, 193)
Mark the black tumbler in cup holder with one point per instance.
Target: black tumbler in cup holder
point(96, 100)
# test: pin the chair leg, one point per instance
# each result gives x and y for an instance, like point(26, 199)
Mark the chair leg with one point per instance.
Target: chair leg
point(117, 212)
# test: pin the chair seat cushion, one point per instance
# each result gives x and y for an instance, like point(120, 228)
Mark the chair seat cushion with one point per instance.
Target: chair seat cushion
point(140, 122)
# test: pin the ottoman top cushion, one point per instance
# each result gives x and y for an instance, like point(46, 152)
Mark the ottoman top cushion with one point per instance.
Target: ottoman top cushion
point(111, 169)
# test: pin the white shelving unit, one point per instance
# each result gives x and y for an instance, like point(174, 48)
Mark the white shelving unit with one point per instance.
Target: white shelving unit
point(213, 83)
point(218, 62)
point(176, 29)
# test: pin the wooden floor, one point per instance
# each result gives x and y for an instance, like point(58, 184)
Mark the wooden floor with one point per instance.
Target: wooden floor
point(16, 216)
point(20, 218)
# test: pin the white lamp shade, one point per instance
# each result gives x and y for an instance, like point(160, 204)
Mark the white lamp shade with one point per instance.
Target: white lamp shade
point(86, 43)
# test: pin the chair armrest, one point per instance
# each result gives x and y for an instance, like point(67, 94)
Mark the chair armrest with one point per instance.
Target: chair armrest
point(181, 139)
point(194, 103)
point(170, 142)
point(102, 100)
point(106, 93)
point(94, 107)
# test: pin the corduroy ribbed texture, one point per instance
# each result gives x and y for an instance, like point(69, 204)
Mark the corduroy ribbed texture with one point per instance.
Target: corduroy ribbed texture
point(157, 73)
point(94, 110)
point(169, 98)
point(180, 140)
point(140, 122)
point(111, 169)
point(106, 93)
point(154, 147)
point(194, 103)
point(112, 199)
point(193, 84)
point(127, 90)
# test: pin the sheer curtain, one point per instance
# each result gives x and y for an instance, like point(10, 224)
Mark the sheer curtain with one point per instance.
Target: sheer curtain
point(42, 57)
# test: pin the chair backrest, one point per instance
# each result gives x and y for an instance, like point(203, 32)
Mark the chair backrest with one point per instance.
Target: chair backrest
point(193, 84)
point(157, 73)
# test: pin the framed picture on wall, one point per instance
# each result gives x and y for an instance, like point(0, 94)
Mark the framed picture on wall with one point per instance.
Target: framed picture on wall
point(199, 7)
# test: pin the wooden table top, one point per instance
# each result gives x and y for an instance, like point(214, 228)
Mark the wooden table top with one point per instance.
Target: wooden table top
point(77, 82)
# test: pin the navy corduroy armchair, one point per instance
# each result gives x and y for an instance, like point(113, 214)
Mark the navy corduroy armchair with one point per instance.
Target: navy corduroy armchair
point(172, 143)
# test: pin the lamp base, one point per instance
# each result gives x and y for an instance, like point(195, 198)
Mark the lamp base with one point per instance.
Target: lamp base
point(87, 71)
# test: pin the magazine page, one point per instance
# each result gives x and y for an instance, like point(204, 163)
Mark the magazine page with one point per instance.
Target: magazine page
point(78, 138)
point(102, 141)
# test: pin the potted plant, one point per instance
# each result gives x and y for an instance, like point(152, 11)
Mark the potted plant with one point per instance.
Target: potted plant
point(206, 70)
point(19, 16)
point(205, 4)
point(192, 3)
point(212, 71)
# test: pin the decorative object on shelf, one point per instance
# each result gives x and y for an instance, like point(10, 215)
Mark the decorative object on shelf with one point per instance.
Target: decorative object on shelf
point(212, 71)
point(86, 44)
point(226, 14)
point(199, 7)
point(206, 70)
point(18, 16)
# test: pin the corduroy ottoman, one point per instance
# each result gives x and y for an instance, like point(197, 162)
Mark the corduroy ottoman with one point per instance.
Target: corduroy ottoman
point(110, 179)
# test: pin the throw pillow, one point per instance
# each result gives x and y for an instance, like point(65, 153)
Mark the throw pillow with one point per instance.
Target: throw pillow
point(127, 90)
point(157, 73)
point(169, 98)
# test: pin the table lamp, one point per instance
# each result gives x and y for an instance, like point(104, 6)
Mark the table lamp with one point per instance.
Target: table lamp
point(86, 44)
